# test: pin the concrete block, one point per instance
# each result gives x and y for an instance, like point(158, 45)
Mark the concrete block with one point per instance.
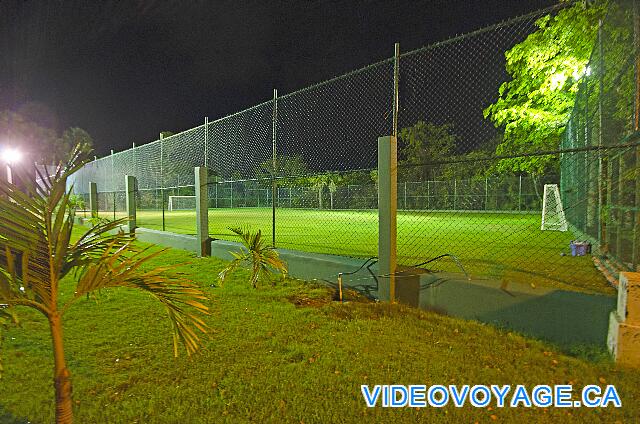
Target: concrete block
point(131, 183)
point(629, 297)
point(93, 199)
point(164, 238)
point(408, 285)
point(387, 216)
point(624, 341)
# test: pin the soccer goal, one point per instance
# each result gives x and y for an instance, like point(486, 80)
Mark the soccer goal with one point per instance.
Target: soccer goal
point(181, 203)
point(553, 217)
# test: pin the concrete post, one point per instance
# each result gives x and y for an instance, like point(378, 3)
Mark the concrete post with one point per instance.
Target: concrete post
point(387, 212)
point(624, 323)
point(93, 199)
point(202, 212)
point(130, 183)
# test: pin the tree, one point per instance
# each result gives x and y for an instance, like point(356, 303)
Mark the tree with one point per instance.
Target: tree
point(36, 253)
point(71, 138)
point(425, 142)
point(320, 181)
point(545, 69)
point(333, 187)
point(262, 259)
point(290, 169)
point(31, 138)
point(41, 143)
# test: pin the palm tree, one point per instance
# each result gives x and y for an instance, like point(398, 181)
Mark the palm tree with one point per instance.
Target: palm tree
point(319, 182)
point(36, 253)
point(263, 259)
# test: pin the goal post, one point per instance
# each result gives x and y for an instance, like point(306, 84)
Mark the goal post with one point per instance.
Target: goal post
point(553, 217)
point(179, 203)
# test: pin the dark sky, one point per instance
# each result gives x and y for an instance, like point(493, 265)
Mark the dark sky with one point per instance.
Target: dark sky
point(125, 71)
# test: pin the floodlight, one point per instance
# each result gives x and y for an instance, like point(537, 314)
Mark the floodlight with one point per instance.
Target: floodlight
point(11, 155)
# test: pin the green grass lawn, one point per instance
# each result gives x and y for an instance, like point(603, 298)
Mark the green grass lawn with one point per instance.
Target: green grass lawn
point(283, 354)
point(509, 247)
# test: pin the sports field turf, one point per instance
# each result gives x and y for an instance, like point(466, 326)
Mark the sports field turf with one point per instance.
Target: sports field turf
point(506, 247)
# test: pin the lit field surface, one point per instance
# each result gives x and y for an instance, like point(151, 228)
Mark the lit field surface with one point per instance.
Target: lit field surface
point(506, 247)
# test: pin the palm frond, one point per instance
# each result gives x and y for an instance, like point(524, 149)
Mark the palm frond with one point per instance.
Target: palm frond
point(181, 298)
point(263, 259)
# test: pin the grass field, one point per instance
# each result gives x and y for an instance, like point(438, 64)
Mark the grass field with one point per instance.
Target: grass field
point(282, 354)
point(508, 247)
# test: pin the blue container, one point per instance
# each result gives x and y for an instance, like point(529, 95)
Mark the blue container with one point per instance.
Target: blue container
point(580, 248)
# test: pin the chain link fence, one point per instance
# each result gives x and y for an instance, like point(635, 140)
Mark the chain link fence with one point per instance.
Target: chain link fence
point(601, 178)
point(479, 155)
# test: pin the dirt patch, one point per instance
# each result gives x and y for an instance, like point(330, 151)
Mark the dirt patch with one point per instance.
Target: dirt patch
point(303, 301)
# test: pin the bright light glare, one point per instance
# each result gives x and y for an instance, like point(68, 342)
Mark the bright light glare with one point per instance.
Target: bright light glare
point(11, 155)
point(587, 72)
point(557, 80)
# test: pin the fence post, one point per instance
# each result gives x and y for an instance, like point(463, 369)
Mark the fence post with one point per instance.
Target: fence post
point(93, 199)
point(405, 196)
point(202, 215)
point(162, 191)
point(396, 88)
point(520, 194)
point(620, 212)
point(387, 214)
point(130, 183)
point(455, 193)
point(428, 193)
point(275, 168)
point(113, 185)
point(635, 218)
point(486, 193)
point(206, 141)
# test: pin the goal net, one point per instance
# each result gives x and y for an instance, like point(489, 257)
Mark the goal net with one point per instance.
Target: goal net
point(180, 203)
point(553, 217)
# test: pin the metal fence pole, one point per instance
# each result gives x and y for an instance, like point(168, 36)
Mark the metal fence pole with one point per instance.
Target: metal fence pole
point(635, 243)
point(396, 87)
point(455, 193)
point(428, 194)
point(520, 194)
point(486, 193)
point(206, 141)
point(620, 213)
point(274, 123)
point(113, 185)
point(405, 195)
point(602, 169)
point(135, 163)
point(162, 190)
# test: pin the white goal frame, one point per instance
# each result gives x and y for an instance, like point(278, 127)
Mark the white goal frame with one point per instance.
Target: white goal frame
point(170, 205)
point(558, 212)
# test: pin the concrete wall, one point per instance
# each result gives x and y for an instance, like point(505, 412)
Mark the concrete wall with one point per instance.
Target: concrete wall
point(562, 317)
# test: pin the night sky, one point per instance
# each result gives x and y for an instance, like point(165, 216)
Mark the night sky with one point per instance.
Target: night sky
point(124, 71)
